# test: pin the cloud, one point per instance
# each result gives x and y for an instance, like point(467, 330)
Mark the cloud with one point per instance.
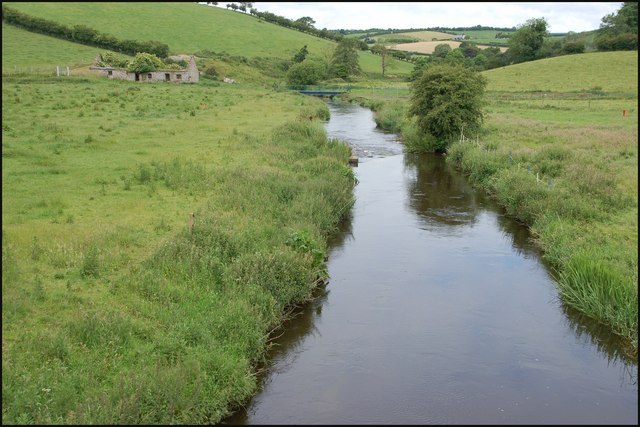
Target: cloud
point(562, 17)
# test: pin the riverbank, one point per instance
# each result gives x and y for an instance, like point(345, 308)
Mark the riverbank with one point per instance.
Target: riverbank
point(438, 309)
point(566, 166)
point(153, 236)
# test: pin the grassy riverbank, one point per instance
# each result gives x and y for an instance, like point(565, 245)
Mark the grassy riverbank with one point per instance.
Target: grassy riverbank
point(565, 163)
point(117, 307)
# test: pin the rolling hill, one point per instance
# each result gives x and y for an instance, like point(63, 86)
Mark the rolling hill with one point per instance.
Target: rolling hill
point(570, 73)
point(189, 28)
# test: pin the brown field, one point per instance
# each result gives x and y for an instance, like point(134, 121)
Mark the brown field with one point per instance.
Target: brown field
point(429, 47)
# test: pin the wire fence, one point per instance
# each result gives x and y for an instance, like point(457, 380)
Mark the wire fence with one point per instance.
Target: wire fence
point(51, 70)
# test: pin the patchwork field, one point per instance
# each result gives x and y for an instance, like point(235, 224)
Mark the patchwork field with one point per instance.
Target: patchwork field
point(428, 47)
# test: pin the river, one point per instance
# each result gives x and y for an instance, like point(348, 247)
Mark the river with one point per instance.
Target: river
point(438, 310)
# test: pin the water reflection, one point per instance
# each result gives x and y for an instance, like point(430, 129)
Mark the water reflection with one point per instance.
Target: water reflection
point(438, 196)
point(593, 334)
point(442, 196)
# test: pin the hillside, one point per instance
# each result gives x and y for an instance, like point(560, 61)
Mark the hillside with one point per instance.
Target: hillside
point(24, 51)
point(190, 27)
point(570, 73)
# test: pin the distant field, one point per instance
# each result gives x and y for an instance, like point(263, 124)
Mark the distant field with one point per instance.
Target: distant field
point(570, 73)
point(429, 47)
point(486, 37)
point(422, 35)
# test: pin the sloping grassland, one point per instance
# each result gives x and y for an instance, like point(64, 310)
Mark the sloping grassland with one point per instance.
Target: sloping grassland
point(190, 28)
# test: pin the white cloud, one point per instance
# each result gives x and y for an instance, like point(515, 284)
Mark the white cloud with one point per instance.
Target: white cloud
point(561, 16)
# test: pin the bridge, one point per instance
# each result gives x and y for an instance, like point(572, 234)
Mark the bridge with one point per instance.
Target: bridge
point(320, 90)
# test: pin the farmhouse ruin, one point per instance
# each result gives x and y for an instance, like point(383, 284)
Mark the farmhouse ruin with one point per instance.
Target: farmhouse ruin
point(186, 75)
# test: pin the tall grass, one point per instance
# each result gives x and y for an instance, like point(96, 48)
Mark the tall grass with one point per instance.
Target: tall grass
point(597, 289)
point(117, 306)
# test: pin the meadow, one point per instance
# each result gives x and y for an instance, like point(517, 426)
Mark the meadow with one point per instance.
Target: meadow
point(155, 235)
point(428, 48)
point(119, 306)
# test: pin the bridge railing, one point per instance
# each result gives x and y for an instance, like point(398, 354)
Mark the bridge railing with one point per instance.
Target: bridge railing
point(318, 88)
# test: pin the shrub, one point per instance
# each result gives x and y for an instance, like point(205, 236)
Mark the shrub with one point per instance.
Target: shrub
point(306, 73)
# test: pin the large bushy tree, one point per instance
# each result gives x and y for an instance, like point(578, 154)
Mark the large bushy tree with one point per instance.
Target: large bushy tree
point(345, 62)
point(526, 42)
point(445, 100)
point(619, 31)
point(306, 73)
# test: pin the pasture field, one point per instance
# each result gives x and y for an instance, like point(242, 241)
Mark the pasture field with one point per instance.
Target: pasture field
point(487, 37)
point(190, 28)
point(427, 48)
point(613, 72)
point(422, 35)
point(34, 53)
point(119, 306)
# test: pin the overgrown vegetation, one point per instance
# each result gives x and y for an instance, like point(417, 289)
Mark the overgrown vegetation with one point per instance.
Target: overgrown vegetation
point(118, 309)
point(445, 101)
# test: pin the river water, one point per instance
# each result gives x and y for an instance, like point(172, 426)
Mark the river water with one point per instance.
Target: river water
point(438, 310)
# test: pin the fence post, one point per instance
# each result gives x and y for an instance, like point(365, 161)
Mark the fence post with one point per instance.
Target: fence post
point(68, 74)
point(192, 223)
point(57, 71)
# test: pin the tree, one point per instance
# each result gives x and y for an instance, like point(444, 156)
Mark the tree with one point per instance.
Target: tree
point(525, 43)
point(345, 59)
point(306, 73)
point(301, 55)
point(469, 49)
point(441, 50)
point(447, 99)
point(419, 65)
point(619, 31)
point(306, 21)
point(455, 56)
point(144, 63)
point(381, 49)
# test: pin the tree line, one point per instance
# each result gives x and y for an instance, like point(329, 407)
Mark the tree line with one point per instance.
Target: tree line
point(82, 34)
point(304, 24)
point(530, 42)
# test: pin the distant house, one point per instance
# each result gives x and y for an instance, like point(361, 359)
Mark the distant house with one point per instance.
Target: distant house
point(458, 37)
point(186, 75)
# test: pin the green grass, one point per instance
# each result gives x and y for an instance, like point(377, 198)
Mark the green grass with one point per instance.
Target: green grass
point(613, 72)
point(27, 52)
point(486, 37)
point(189, 28)
point(422, 35)
point(115, 309)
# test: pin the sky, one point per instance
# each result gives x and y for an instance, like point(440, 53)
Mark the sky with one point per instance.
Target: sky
point(561, 17)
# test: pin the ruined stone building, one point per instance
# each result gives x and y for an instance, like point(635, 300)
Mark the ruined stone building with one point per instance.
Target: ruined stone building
point(187, 75)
